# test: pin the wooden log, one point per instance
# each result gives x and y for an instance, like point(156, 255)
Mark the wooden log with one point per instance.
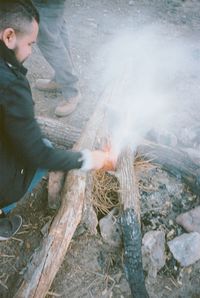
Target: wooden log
point(129, 194)
point(47, 259)
point(175, 161)
point(55, 185)
point(130, 225)
point(58, 133)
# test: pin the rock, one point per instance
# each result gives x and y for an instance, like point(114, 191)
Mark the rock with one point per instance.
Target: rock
point(45, 229)
point(109, 229)
point(190, 220)
point(153, 252)
point(185, 248)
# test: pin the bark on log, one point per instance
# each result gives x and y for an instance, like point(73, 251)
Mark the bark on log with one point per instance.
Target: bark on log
point(175, 161)
point(129, 194)
point(130, 225)
point(55, 185)
point(58, 133)
point(47, 260)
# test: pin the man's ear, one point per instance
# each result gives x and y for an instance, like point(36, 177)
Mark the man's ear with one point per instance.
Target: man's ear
point(9, 38)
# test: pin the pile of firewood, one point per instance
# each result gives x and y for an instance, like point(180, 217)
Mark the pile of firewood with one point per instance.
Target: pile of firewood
point(76, 193)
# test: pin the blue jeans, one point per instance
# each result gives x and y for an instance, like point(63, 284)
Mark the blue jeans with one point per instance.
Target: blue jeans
point(53, 42)
point(39, 174)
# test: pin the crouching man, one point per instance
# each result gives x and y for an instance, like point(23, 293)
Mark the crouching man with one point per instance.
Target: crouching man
point(23, 151)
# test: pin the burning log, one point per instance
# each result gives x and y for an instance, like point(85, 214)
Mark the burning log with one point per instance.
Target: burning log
point(130, 225)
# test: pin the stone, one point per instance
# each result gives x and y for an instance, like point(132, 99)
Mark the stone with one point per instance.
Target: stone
point(185, 248)
point(153, 252)
point(190, 220)
point(109, 229)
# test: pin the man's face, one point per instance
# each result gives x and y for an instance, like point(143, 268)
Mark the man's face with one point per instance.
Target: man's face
point(24, 42)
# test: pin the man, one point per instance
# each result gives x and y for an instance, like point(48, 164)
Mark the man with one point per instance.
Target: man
point(22, 148)
point(54, 44)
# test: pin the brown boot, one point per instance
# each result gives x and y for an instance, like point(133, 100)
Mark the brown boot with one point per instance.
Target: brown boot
point(47, 85)
point(67, 107)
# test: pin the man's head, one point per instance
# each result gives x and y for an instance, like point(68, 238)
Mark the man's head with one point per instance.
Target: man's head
point(19, 21)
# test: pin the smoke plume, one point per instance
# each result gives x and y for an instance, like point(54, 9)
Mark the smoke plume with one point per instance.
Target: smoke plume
point(146, 68)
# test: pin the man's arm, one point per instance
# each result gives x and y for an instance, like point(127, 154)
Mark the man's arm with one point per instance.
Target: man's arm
point(24, 135)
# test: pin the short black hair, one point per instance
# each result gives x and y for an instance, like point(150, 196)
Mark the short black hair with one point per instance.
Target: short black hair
point(17, 14)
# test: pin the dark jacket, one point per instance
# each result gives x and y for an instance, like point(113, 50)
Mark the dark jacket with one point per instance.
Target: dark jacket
point(22, 149)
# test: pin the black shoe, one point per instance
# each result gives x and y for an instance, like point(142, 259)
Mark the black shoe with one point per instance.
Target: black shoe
point(9, 227)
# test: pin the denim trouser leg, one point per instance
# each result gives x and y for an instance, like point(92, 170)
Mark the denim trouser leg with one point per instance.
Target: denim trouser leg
point(39, 174)
point(54, 44)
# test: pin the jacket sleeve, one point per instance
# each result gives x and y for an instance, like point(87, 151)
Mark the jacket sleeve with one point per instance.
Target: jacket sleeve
point(24, 135)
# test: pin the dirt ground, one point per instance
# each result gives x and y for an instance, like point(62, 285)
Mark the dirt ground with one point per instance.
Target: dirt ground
point(87, 270)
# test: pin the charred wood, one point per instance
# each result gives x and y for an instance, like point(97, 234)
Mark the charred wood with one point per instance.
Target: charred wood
point(130, 225)
point(132, 241)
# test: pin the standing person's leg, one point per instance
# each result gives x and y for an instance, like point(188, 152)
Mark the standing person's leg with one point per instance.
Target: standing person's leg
point(54, 45)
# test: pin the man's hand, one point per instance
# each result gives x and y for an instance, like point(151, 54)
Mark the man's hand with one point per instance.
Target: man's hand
point(103, 160)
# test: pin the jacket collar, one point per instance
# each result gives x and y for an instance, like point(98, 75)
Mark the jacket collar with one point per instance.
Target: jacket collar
point(9, 56)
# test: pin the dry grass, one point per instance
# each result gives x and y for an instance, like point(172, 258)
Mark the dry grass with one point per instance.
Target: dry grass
point(106, 187)
point(105, 192)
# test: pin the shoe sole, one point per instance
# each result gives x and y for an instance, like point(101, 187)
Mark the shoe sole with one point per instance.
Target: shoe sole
point(64, 114)
point(49, 90)
point(16, 222)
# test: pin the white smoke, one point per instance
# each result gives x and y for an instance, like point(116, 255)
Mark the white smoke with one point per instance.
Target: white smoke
point(145, 67)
